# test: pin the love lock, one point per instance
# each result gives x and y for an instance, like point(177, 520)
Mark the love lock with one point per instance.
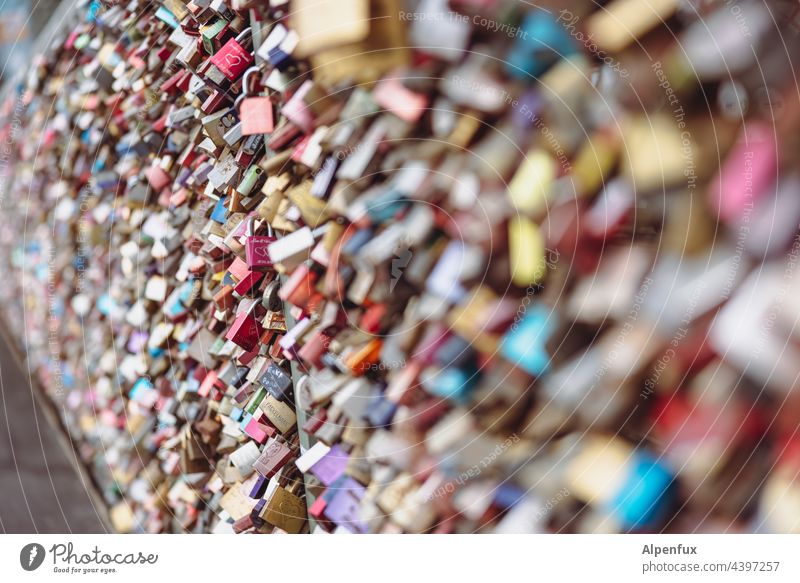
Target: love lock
point(254, 111)
point(246, 330)
point(256, 251)
point(233, 59)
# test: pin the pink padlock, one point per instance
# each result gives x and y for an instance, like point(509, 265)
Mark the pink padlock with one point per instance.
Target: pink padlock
point(748, 173)
point(256, 247)
point(255, 111)
point(233, 59)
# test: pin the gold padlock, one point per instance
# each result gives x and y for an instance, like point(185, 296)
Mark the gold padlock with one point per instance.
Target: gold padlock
point(286, 510)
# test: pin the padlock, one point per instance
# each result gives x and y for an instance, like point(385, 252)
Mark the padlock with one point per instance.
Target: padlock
point(255, 400)
point(210, 34)
point(256, 247)
point(233, 59)
point(271, 300)
point(279, 414)
point(221, 8)
point(278, 46)
point(544, 42)
point(246, 329)
point(277, 382)
point(343, 506)
point(637, 489)
point(300, 286)
point(218, 124)
point(251, 147)
point(286, 510)
point(291, 250)
point(255, 111)
point(274, 456)
point(250, 181)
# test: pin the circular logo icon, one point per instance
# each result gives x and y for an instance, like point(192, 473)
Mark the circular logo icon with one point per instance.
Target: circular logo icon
point(31, 556)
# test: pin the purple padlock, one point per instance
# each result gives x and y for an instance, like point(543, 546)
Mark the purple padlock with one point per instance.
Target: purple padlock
point(331, 466)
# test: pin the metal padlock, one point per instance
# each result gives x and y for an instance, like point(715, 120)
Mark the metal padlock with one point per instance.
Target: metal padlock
point(277, 382)
point(218, 124)
point(256, 251)
point(246, 330)
point(233, 59)
point(275, 455)
point(210, 34)
point(272, 302)
point(251, 147)
point(279, 414)
point(250, 181)
point(286, 510)
point(255, 111)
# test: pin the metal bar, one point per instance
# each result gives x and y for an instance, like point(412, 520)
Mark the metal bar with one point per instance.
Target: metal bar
point(306, 440)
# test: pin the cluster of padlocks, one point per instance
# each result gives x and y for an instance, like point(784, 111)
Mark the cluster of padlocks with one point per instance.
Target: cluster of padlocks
point(383, 266)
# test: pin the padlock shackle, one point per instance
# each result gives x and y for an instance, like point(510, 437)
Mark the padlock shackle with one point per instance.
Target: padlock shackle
point(246, 85)
point(249, 228)
point(239, 36)
point(252, 307)
point(246, 79)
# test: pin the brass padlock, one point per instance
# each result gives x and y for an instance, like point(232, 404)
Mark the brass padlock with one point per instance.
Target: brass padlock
point(286, 510)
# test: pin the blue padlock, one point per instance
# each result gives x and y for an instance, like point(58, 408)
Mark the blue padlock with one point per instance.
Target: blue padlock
point(524, 343)
point(541, 42)
point(453, 383)
point(644, 500)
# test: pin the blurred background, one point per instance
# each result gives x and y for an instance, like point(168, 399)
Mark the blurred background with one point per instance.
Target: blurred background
point(529, 270)
point(45, 487)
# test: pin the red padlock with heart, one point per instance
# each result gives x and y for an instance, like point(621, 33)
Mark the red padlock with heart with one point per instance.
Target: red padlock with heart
point(233, 59)
point(256, 252)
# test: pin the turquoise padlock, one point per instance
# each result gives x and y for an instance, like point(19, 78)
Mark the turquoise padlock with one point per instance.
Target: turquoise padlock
point(524, 343)
point(644, 500)
point(540, 43)
point(453, 383)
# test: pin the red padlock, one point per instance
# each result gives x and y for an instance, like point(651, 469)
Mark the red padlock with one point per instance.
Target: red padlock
point(256, 251)
point(233, 59)
point(245, 330)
